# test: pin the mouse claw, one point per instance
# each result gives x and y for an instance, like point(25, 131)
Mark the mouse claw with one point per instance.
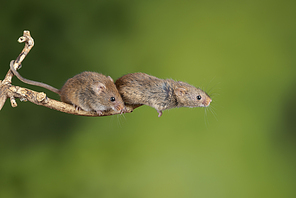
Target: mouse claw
point(77, 108)
point(159, 113)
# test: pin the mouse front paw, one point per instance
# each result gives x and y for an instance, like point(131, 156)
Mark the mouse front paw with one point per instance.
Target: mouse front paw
point(99, 112)
point(77, 108)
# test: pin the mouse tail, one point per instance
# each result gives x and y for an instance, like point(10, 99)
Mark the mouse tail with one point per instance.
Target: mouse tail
point(31, 82)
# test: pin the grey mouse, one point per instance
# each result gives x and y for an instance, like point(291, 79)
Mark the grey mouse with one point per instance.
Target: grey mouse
point(161, 94)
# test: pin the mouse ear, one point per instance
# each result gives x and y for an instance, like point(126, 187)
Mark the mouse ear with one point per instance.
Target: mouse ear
point(98, 87)
point(180, 91)
point(110, 78)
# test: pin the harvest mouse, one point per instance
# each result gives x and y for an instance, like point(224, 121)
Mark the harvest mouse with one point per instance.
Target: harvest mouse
point(89, 91)
point(143, 89)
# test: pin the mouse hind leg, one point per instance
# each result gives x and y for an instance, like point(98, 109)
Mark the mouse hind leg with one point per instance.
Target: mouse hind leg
point(159, 113)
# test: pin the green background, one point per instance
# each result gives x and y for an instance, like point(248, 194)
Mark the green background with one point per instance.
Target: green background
point(241, 52)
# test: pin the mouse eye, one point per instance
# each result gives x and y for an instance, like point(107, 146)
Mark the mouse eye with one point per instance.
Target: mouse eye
point(112, 99)
point(198, 97)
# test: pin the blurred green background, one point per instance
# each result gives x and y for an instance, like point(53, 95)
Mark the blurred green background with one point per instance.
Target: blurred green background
point(241, 52)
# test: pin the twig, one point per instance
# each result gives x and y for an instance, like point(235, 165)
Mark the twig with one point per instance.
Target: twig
point(39, 98)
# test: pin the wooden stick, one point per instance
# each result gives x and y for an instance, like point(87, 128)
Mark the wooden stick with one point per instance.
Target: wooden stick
point(39, 98)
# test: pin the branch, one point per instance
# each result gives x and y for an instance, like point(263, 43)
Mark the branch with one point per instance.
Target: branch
point(39, 98)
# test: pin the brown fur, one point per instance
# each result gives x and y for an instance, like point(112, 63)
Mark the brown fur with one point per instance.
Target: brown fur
point(143, 89)
point(89, 91)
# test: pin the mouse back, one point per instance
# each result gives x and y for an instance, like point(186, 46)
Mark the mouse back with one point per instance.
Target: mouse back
point(137, 88)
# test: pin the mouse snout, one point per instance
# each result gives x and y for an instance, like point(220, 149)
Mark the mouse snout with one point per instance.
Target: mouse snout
point(120, 107)
point(207, 101)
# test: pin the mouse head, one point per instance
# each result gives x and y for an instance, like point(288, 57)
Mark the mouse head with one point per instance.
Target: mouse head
point(190, 96)
point(107, 96)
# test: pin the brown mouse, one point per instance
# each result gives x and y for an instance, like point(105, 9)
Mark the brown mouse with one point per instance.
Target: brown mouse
point(89, 91)
point(143, 89)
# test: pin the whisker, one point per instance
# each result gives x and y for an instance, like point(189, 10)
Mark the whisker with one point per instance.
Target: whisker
point(121, 116)
point(205, 116)
point(215, 86)
point(210, 83)
point(212, 109)
point(215, 94)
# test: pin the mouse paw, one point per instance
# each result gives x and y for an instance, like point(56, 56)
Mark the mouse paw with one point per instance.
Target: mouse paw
point(124, 110)
point(159, 113)
point(99, 112)
point(77, 108)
